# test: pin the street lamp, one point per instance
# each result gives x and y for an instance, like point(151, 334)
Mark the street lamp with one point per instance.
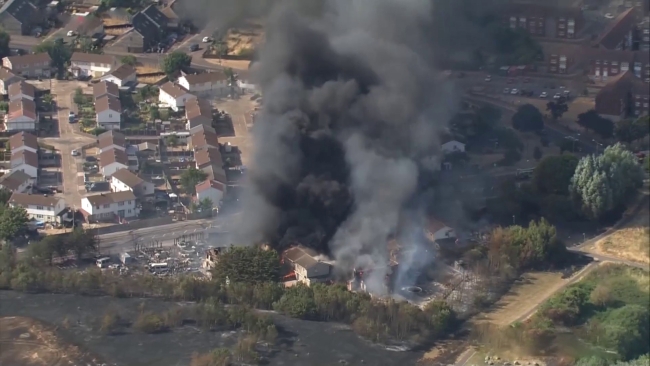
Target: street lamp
point(513, 219)
point(598, 145)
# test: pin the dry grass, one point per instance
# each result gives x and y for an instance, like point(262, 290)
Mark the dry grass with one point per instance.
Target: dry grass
point(114, 21)
point(245, 37)
point(524, 296)
point(141, 68)
point(236, 65)
point(630, 242)
point(150, 79)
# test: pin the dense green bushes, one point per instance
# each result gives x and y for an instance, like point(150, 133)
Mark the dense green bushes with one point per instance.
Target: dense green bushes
point(610, 306)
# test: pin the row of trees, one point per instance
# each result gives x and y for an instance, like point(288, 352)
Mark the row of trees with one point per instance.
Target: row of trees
point(79, 243)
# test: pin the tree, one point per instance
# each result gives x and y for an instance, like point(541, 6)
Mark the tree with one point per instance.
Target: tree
point(631, 130)
point(81, 242)
point(13, 222)
point(190, 178)
point(553, 174)
point(4, 106)
point(59, 52)
point(247, 265)
point(557, 107)
point(175, 61)
point(129, 60)
point(591, 120)
point(41, 251)
point(508, 139)
point(206, 205)
point(5, 194)
point(171, 140)
point(528, 118)
point(154, 114)
point(537, 153)
point(48, 100)
point(5, 39)
point(79, 98)
point(601, 183)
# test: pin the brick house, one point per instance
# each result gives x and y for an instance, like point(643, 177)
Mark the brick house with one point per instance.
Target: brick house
point(545, 19)
point(622, 97)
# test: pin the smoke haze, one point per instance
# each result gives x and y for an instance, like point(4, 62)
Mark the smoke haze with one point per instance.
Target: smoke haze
point(352, 111)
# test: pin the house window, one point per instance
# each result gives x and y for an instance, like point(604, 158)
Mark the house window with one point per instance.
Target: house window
point(625, 66)
point(39, 216)
point(645, 105)
point(110, 115)
point(39, 207)
point(120, 203)
point(107, 206)
point(129, 202)
point(129, 211)
point(637, 104)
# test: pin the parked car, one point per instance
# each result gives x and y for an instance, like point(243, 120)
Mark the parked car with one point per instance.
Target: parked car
point(514, 91)
point(543, 95)
point(488, 78)
point(557, 96)
point(70, 33)
point(75, 153)
point(506, 91)
point(609, 16)
point(206, 40)
point(194, 47)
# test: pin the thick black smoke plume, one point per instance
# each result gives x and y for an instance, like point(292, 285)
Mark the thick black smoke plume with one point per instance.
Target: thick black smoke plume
point(352, 110)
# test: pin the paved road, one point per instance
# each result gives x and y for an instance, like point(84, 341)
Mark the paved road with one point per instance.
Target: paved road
point(68, 140)
point(219, 227)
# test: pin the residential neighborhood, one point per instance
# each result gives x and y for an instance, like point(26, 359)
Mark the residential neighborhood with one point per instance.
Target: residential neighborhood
point(400, 182)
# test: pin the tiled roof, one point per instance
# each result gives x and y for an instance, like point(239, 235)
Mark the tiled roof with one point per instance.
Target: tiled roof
point(208, 156)
point(204, 138)
point(26, 157)
point(616, 32)
point(108, 198)
point(23, 139)
point(92, 57)
point(22, 107)
point(22, 10)
point(30, 59)
point(108, 102)
point(14, 180)
point(25, 199)
point(127, 177)
point(123, 71)
point(113, 156)
point(21, 87)
point(6, 74)
point(105, 87)
point(206, 77)
point(174, 90)
point(207, 184)
point(109, 138)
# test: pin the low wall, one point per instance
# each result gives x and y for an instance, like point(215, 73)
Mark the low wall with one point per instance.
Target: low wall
point(134, 225)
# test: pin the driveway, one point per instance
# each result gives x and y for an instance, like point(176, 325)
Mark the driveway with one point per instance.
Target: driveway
point(69, 140)
point(238, 110)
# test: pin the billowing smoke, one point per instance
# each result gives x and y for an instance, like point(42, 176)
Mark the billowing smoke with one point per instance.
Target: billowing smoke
point(352, 109)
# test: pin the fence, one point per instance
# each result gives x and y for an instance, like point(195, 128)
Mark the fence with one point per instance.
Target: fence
point(134, 225)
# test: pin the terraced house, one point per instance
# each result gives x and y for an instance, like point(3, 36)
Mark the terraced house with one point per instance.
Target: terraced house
point(33, 65)
point(20, 17)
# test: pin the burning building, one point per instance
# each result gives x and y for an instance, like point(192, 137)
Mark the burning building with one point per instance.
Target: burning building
point(303, 264)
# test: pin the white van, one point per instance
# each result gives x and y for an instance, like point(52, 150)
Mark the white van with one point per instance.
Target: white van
point(102, 262)
point(158, 266)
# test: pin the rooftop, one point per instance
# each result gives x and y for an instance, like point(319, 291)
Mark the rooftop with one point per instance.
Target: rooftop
point(113, 156)
point(22, 108)
point(109, 138)
point(25, 199)
point(127, 177)
point(108, 102)
point(172, 89)
point(14, 180)
point(207, 184)
point(23, 139)
point(22, 10)
point(92, 58)
point(302, 256)
point(208, 156)
point(203, 138)
point(26, 156)
point(616, 32)
point(6, 74)
point(21, 87)
point(29, 59)
point(108, 198)
point(123, 71)
point(105, 87)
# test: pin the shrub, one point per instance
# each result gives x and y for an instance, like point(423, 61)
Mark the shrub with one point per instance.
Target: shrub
point(149, 322)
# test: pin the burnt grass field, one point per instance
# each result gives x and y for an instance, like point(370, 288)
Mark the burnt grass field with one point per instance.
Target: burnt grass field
point(300, 343)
